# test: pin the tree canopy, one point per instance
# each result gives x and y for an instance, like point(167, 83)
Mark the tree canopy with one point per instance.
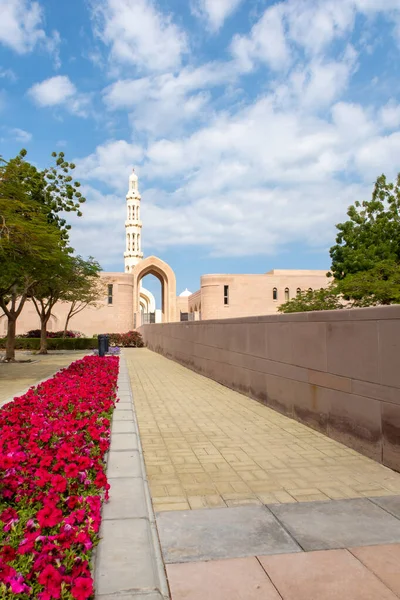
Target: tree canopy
point(34, 236)
point(371, 234)
point(365, 268)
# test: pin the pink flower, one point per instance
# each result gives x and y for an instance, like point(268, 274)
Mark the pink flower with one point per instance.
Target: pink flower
point(52, 446)
point(82, 588)
point(18, 586)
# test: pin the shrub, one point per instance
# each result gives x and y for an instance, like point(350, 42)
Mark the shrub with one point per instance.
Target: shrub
point(35, 333)
point(131, 339)
point(53, 343)
point(52, 481)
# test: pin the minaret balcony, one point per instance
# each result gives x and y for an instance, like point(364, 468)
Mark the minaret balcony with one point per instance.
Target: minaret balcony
point(133, 223)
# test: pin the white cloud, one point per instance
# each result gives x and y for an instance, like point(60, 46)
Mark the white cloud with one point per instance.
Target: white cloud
point(215, 11)
point(103, 219)
point(162, 103)
point(139, 34)
point(317, 83)
point(8, 74)
point(250, 177)
point(22, 27)
point(266, 42)
point(306, 25)
point(59, 91)
point(252, 182)
point(53, 91)
point(111, 163)
point(20, 135)
point(390, 115)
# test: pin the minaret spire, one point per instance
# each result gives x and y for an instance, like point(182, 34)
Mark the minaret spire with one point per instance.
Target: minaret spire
point(133, 225)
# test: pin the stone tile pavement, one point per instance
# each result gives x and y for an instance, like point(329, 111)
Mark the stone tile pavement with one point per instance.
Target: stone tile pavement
point(355, 574)
point(16, 378)
point(207, 446)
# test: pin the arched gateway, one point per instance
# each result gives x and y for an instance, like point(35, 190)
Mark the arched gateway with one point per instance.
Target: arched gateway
point(160, 269)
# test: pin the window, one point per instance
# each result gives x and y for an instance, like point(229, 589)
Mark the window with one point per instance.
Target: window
point(310, 289)
point(133, 242)
point(226, 295)
point(298, 291)
point(110, 293)
point(275, 294)
point(287, 294)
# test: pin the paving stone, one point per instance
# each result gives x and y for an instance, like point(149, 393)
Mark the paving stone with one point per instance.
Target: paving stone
point(122, 427)
point(208, 534)
point(124, 441)
point(338, 524)
point(131, 596)
point(333, 575)
point(124, 561)
point(206, 429)
point(124, 464)
point(221, 580)
point(127, 499)
point(384, 561)
point(389, 503)
point(123, 414)
point(124, 402)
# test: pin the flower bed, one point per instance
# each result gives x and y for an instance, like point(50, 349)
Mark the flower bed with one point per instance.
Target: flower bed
point(52, 481)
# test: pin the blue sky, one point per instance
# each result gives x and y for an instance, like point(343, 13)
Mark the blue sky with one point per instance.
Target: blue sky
point(251, 124)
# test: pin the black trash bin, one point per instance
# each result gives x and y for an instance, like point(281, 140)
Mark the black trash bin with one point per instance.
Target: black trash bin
point(102, 341)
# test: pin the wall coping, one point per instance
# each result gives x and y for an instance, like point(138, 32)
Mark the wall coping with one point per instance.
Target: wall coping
point(353, 314)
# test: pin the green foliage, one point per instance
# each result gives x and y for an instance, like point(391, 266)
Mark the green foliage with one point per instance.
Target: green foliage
point(323, 299)
point(380, 285)
point(53, 343)
point(372, 233)
point(33, 234)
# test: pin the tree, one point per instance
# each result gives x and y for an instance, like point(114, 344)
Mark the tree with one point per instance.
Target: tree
point(86, 288)
point(372, 233)
point(377, 286)
point(26, 241)
point(31, 228)
point(322, 299)
point(52, 286)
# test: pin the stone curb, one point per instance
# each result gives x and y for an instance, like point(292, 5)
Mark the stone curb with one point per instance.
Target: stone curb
point(128, 562)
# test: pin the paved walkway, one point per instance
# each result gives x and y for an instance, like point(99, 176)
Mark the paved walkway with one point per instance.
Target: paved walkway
point(251, 505)
point(16, 378)
point(208, 446)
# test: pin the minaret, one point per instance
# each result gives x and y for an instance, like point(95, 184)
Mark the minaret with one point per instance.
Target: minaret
point(133, 225)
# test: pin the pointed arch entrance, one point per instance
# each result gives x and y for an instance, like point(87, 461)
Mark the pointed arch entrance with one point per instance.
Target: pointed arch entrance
point(160, 269)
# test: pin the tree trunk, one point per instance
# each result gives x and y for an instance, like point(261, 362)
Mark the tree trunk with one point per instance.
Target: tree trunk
point(11, 331)
point(67, 321)
point(12, 312)
point(43, 334)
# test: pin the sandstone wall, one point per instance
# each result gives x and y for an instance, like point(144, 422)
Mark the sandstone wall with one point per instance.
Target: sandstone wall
point(336, 371)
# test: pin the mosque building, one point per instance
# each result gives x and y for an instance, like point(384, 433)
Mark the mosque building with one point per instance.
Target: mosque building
point(126, 304)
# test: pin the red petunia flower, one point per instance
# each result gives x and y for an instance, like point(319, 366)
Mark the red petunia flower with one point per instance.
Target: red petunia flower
point(49, 577)
point(58, 483)
point(82, 588)
point(8, 553)
point(49, 516)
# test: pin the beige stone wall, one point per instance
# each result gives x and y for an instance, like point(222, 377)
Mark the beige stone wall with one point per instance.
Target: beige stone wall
point(182, 305)
point(252, 295)
point(337, 371)
point(249, 295)
point(108, 318)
